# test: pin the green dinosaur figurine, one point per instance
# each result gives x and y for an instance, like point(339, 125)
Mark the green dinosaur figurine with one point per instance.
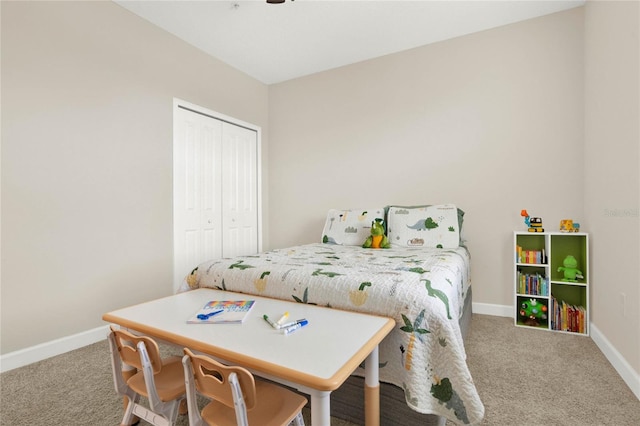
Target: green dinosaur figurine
point(570, 269)
point(377, 239)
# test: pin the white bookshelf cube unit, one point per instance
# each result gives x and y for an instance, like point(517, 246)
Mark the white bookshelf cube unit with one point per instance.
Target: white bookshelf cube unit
point(551, 281)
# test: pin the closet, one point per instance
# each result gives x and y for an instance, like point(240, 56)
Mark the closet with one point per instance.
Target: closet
point(216, 187)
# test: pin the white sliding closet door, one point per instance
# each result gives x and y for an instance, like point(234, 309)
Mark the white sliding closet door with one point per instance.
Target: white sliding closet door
point(216, 188)
point(239, 191)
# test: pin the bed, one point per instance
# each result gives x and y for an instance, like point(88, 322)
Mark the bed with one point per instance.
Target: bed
point(422, 281)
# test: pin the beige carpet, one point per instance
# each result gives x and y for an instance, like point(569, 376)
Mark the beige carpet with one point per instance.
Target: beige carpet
point(524, 377)
point(536, 377)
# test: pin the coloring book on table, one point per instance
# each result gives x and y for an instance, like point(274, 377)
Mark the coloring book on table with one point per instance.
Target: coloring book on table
point(222, 312)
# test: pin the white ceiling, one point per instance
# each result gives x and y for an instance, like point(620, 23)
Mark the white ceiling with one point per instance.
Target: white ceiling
point(279, 42)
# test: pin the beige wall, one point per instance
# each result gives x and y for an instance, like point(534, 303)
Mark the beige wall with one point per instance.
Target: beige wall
point(87, 95)
point(612, 164)
point(492, 122)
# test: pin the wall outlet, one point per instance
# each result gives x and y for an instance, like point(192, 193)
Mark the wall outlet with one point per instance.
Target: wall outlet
point(623, 301)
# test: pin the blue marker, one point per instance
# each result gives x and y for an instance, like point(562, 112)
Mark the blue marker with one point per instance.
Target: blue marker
point(290, 324)
point(204, 317)
point(293, 328)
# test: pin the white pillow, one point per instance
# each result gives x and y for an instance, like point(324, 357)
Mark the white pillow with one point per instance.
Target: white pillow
point(349, 227)
point(425, 226)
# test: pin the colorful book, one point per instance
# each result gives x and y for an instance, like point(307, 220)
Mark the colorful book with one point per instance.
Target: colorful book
point(222, 312)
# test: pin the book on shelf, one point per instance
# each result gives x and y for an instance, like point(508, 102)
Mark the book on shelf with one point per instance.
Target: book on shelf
point(566, 317)
point(532, 284)
point(530, 256)
point(222, 312)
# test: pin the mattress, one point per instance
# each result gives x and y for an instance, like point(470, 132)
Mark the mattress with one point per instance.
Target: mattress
point(424, 290)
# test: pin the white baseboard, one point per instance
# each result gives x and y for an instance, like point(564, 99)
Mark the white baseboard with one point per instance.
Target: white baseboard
point(59, 346)
point(494, 310)
point(628, 374)
point(46, 350)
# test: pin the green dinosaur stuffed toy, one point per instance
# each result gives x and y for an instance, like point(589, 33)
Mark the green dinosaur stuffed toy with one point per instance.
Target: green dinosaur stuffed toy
point(570, 269)
point(377, 239)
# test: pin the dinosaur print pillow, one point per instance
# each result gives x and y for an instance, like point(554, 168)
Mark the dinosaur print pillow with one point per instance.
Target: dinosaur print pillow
point(427, 226)
point(349, 227)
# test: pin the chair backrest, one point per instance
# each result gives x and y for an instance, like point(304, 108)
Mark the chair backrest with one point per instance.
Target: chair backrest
point(161, 382)
point(127, 345)
point(220, 382)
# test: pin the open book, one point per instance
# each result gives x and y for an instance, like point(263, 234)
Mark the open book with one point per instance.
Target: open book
point(222, 312)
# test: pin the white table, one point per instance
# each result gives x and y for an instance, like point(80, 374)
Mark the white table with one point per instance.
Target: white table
point(315, 359)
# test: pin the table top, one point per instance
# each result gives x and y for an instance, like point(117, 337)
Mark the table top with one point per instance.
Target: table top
point(320, 355)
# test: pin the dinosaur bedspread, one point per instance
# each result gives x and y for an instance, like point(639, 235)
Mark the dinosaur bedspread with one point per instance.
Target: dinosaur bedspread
point(422, 289)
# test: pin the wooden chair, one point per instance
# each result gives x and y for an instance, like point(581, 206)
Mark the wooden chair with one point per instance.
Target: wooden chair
point(236, 398)
point(160, 381)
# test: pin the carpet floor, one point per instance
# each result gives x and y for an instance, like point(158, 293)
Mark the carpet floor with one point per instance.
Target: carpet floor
point(524, 377)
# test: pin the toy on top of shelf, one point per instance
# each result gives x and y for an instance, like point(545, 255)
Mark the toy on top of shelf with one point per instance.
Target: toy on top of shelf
point(531, 311)
point(533, 223)
point(567, 225)
point(570, 269)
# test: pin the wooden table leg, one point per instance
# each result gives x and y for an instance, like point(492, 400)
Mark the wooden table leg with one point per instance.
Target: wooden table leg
point(371, 390)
